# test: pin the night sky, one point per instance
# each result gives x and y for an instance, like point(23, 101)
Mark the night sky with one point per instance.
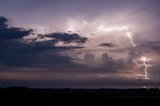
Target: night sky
point(80, 43)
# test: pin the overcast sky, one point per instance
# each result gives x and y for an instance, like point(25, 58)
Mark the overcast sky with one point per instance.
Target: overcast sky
point(79, 43)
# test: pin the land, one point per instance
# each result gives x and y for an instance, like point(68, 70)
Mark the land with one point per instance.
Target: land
point(80, 97)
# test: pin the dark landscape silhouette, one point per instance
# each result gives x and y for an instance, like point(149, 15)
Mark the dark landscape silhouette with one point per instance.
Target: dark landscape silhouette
point(80, 97)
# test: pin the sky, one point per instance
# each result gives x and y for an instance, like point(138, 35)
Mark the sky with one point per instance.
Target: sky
point(80, 43)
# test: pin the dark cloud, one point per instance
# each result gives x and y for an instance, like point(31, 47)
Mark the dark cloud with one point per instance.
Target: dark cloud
point(17, 52)
point(3, 21)
point(54, 38)
point(66, 37)
point(11, 33)
point(106, 45)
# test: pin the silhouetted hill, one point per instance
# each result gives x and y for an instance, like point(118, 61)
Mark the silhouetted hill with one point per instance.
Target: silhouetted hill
point(80, 97)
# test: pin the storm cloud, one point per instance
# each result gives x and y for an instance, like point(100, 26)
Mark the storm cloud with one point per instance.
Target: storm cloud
point(19, 50)
point(11, 33)
point(82, 43)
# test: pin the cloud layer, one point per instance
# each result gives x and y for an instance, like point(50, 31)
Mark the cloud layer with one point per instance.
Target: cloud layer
point(79, 43)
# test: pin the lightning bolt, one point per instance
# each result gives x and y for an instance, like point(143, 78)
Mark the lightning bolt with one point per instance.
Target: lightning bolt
point(124, 28)
point(130, 36)
point(103, 28)
point(146, 67)
point(131, 39)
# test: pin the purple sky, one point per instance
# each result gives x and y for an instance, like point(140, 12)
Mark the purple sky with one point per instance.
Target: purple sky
point(112, 37)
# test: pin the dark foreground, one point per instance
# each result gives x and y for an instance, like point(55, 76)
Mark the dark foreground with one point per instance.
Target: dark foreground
point(79, 97)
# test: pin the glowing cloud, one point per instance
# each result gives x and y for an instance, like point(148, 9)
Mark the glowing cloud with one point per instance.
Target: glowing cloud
point(71, 26)
point(64, 44)
point(36, 38)
point(124, 28)
point(103, 28)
